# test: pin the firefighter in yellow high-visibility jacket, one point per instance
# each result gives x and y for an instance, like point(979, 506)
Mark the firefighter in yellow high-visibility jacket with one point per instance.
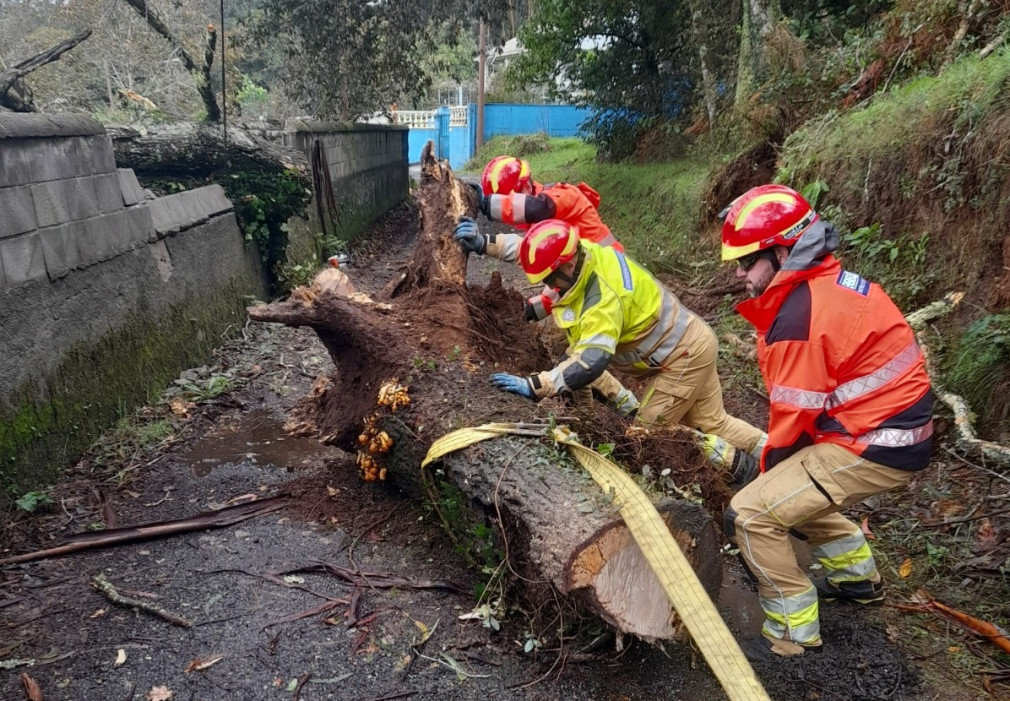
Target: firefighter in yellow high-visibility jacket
point(616, 314)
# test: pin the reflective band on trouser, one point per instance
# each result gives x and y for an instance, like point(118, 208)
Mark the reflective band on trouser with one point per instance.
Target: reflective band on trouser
point(658, 344)
point(847, 559)
point(793, 618)
point(853, 389)
point(896, 437)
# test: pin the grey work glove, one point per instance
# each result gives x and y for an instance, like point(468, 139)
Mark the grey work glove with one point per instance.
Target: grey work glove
point(478, 190)
point(469, 236)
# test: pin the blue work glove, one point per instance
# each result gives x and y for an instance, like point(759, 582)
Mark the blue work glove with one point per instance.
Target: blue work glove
point(514, 384)
point(469, 236)
point(478, 190)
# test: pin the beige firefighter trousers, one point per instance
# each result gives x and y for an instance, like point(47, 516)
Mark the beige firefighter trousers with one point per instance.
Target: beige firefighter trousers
point(803, 492)
point(688, 392)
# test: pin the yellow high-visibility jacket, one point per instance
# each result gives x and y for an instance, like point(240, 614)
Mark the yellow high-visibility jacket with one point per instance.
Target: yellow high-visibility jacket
point(615, 313)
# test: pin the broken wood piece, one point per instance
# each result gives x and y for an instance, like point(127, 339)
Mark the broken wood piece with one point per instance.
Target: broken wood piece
point(31, 687)
point(105, 586)
point(209, 519)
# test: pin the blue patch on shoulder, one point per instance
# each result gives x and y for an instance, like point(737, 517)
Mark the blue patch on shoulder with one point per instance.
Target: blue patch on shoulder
point(853, 282)
point(625, 271)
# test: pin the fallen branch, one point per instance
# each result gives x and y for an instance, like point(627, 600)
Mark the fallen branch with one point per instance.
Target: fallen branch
point(209, 519)
point(12, 75)
point(967, 439)
point(376, 580)
point(105, 586)
point(927, 604)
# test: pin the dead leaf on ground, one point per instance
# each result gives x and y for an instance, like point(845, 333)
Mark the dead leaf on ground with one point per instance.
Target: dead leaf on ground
point(31, 687)
point(893, 633)
point(159, 693)
point(865, 527)
point(985, 538)
point(180, 407)
point(97, 614)
point(120, 657)
point(202, 663)
point(906, 568)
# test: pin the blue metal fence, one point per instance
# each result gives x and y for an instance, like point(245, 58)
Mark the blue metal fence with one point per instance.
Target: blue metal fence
point(455, 131)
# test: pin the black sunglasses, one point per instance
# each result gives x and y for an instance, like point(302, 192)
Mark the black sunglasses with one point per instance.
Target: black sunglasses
point(749, 261)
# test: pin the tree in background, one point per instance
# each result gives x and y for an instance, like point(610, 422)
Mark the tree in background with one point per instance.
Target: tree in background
point(636, 64)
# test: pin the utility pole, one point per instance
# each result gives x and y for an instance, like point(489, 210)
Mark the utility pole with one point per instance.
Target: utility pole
point(481, 64)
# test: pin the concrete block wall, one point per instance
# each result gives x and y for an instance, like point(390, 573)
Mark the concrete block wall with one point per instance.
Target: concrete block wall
point(367, 164)
point(106, 293)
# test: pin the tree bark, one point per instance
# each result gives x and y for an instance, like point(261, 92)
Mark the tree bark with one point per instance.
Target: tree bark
point(434, 341)
point(707, 73)
point(759, 17)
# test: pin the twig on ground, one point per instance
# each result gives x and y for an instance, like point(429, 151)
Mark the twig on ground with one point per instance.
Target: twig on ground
point(967, 519)
point(301, 682)
point(105, 586)
point(210, 519)
point(395, 695)
point(991, 632)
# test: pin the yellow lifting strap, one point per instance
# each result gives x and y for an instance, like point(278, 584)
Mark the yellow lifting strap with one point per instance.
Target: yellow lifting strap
point(647, 527)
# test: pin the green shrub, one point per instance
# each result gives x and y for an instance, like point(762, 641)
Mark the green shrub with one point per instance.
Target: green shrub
point(980, 370)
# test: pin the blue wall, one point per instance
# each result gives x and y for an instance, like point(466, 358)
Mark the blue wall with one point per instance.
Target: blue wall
point(556, 120)
point(416, 139)
point(500, 119)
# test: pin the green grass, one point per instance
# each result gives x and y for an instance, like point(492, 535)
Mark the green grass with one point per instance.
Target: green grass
point(653, 209)
point(969, 90)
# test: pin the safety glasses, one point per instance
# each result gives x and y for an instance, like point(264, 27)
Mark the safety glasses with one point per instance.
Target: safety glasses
point(749, 261)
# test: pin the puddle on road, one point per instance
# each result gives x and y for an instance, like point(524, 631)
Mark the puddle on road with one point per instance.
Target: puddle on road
point(257, 438)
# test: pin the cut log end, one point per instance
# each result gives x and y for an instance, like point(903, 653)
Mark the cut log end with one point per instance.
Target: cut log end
point(613, 574)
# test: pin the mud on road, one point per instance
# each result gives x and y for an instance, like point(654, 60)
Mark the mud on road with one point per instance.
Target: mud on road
point(272, 620)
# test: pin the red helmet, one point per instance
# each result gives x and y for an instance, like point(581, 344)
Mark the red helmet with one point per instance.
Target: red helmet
point(763, 217)
point(546, 247)
point(504, 175)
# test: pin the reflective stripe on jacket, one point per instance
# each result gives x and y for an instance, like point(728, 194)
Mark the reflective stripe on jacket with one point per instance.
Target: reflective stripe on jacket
point(841, 365)
point(616, 307)
point(574, 204)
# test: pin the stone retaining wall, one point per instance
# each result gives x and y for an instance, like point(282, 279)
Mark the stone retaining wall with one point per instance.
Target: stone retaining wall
point(107, 293)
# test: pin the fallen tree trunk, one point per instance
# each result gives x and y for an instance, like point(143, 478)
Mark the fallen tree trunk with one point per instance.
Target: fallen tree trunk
point(413, 366)
point(200, 150)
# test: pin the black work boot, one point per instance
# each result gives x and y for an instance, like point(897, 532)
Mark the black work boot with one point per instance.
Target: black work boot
point(765, 648)
point(862, 591)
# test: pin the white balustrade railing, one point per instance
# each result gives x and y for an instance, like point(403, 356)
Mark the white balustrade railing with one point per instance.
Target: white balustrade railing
point(415, 119)
point(425, 119)
point(458, 116)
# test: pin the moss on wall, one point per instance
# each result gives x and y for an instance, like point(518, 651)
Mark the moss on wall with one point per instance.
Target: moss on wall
point(55, 419)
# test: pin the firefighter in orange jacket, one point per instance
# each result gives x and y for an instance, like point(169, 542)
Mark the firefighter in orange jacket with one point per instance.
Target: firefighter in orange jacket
point(851, 413)
point(508, 193)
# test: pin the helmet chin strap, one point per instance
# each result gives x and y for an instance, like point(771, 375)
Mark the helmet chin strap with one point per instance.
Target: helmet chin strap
point(569, 281)
point(773, 258)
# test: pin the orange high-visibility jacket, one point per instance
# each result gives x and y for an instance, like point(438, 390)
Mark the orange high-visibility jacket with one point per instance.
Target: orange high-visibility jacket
point(840, 363)
point(574, 204)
